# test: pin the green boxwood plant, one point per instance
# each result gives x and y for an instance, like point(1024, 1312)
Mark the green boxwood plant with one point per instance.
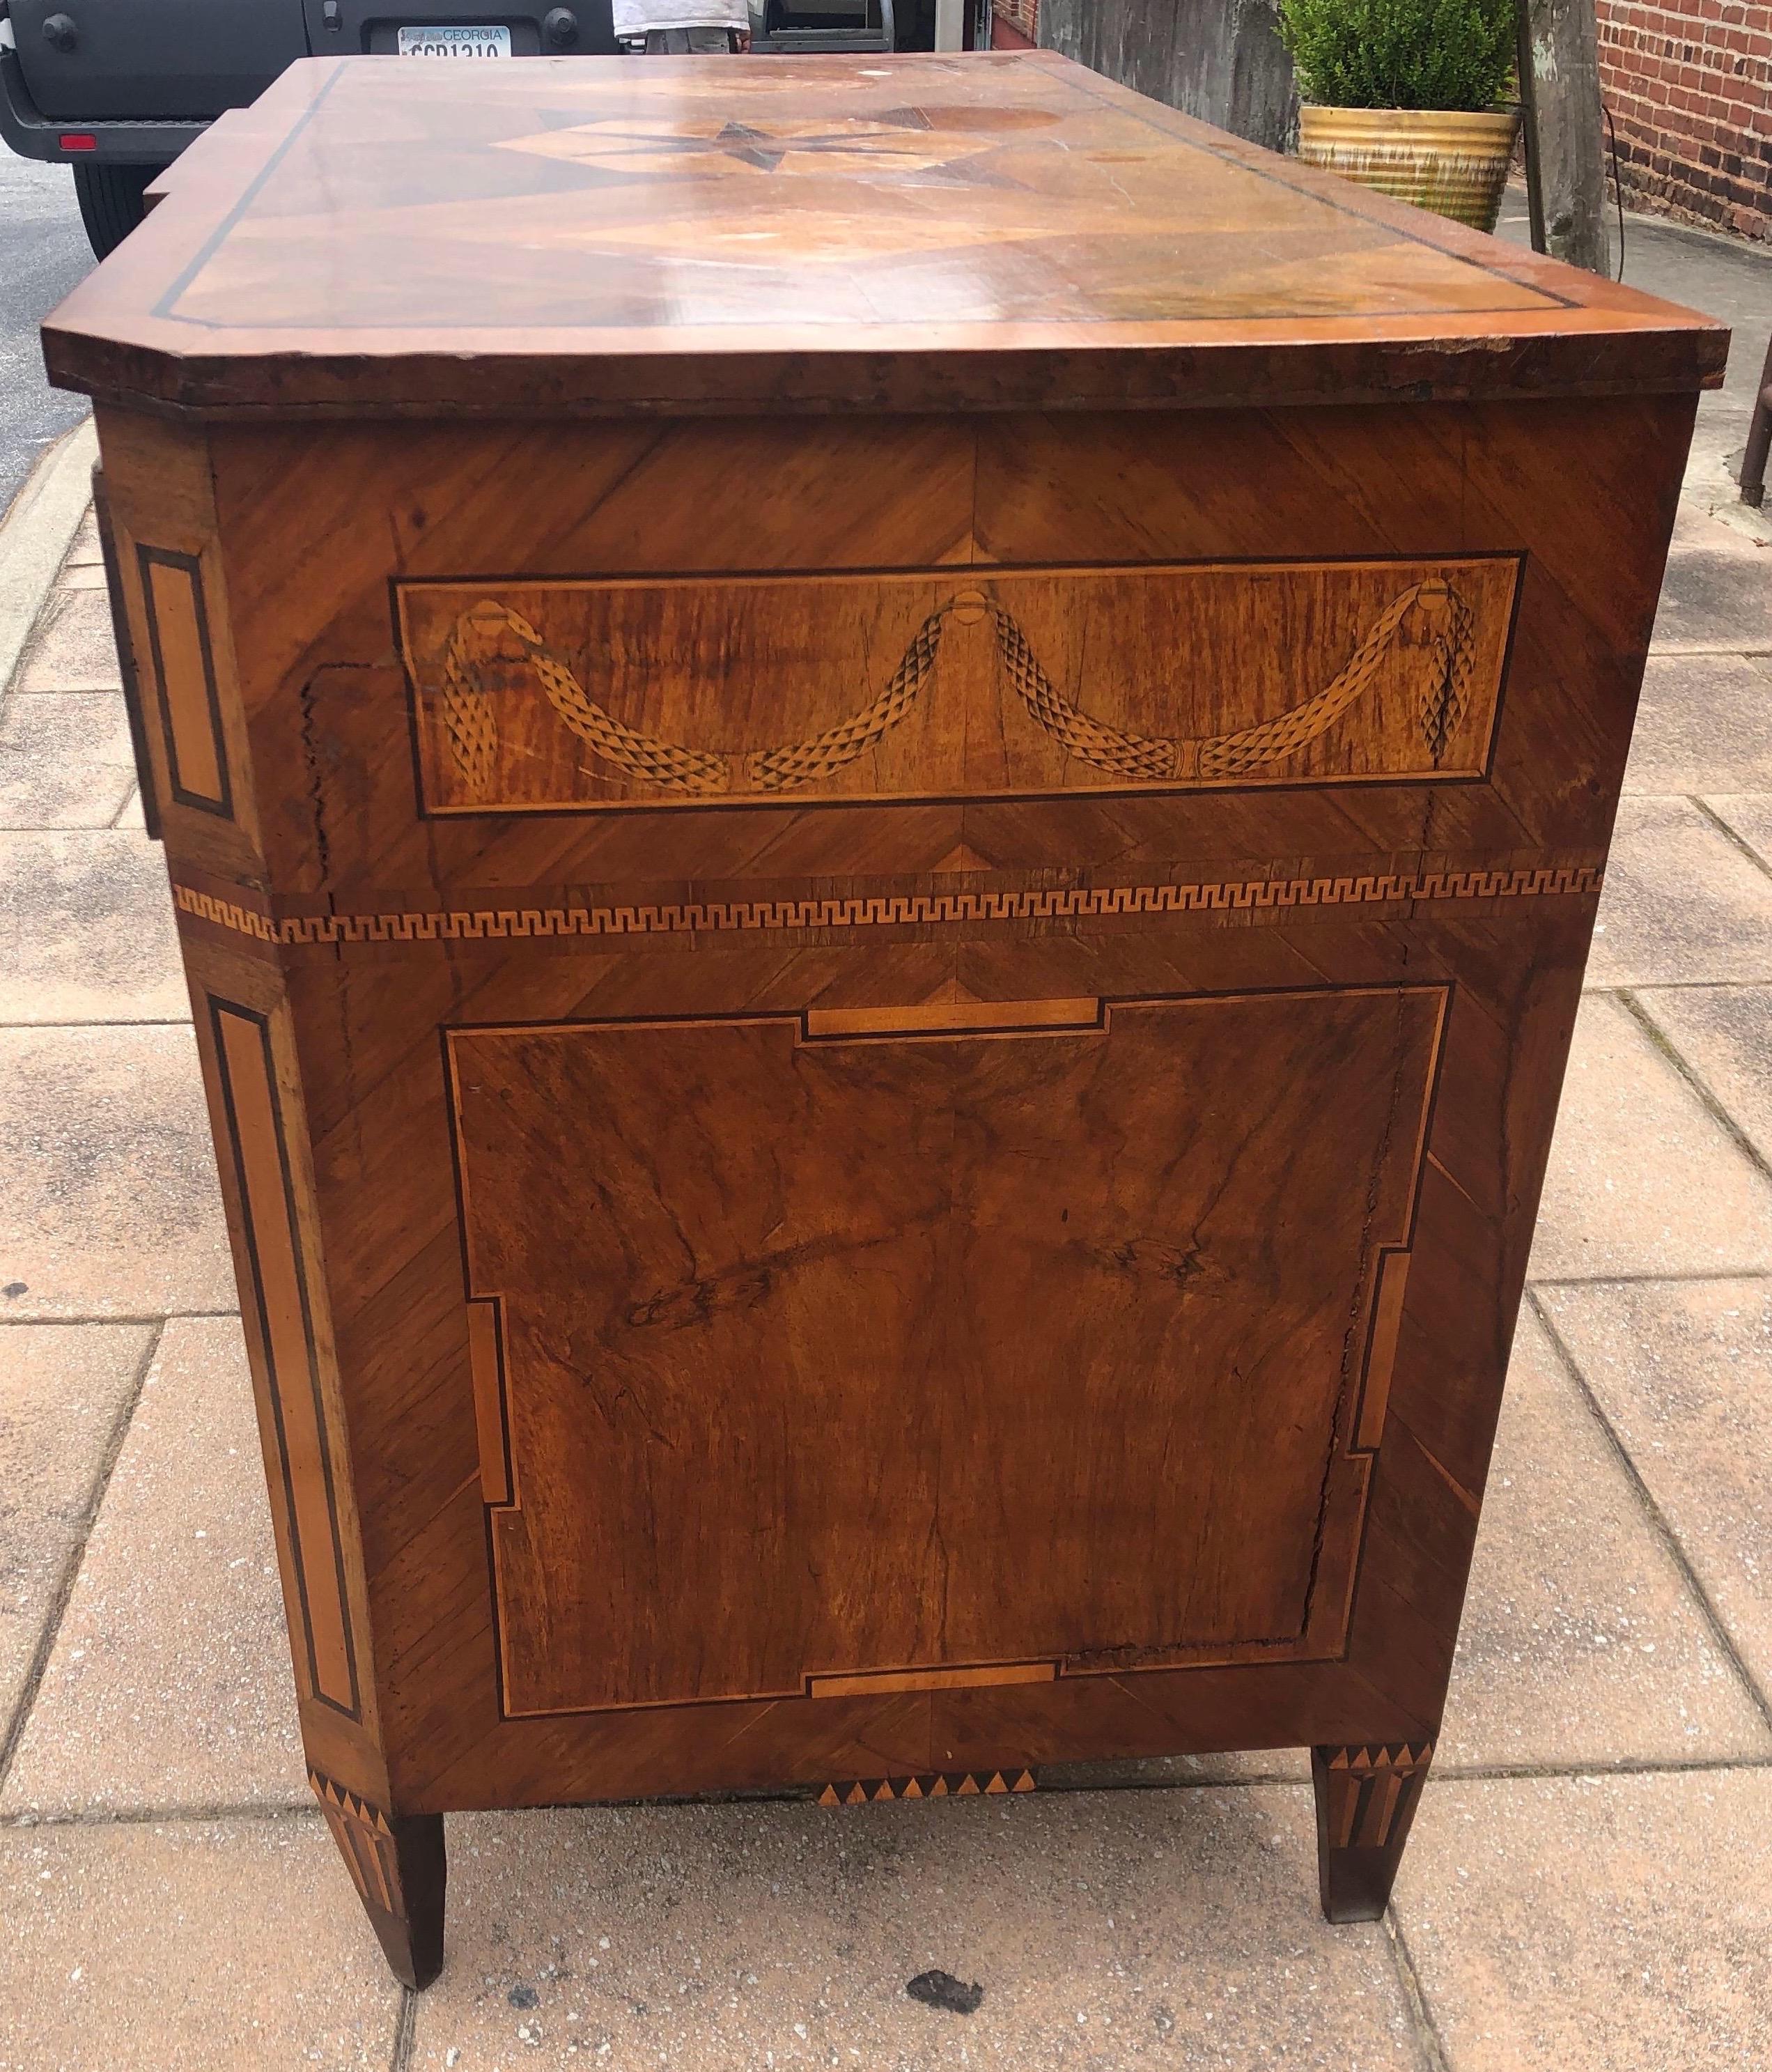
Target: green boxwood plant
point(1439, 54)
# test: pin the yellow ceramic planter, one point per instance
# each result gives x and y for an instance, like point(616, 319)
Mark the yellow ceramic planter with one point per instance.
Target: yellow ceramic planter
point(1454, 164)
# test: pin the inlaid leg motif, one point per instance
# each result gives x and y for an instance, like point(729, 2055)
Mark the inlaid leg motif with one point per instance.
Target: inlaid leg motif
point(397, 1866)
point(1366, 1798)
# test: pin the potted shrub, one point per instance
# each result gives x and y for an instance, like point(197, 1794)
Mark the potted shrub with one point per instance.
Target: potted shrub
point(1406, 95)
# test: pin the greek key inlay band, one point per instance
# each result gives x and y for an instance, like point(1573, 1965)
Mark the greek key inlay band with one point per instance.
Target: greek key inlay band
point(885, 910)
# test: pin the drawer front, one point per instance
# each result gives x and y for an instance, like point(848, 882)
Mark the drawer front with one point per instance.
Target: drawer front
point(953, 683)
point(826, 1355)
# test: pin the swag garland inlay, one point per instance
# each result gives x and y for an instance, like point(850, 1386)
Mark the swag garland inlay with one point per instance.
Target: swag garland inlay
point(1444, 634)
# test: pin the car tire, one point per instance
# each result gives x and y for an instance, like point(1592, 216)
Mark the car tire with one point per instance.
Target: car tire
point(111, 202)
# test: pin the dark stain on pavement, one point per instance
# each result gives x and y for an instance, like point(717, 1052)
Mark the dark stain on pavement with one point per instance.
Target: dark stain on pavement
point(941, 1989)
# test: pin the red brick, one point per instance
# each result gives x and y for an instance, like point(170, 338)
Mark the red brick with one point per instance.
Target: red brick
point(1689, 85)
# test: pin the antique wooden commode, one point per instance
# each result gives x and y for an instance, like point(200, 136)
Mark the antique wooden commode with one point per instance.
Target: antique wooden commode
point(885, 782)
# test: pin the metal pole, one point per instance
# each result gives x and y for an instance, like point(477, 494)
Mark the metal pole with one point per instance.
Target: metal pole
point(1529, 125)
point(1759, 440)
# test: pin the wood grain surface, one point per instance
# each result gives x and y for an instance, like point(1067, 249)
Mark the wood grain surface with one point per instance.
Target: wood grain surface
point(713, 983)
point(902, 1350)
point(986, 231)
point(307, 1467)
point(1006, 682)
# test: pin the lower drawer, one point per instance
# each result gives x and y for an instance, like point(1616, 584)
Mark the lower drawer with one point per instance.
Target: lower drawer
point(818, 1354)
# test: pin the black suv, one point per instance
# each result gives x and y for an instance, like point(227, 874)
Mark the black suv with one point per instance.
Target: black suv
point(117, 88)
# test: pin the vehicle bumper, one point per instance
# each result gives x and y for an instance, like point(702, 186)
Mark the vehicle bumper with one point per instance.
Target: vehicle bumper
point(33, 136)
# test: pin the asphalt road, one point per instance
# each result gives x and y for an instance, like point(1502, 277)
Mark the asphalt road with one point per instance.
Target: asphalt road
point(42, 252)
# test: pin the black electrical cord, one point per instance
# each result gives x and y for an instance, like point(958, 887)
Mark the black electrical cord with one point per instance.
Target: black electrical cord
point(1617, 186)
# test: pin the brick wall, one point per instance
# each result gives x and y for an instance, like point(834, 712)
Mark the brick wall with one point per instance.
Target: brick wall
point(1689, 83)
point(1014, 24)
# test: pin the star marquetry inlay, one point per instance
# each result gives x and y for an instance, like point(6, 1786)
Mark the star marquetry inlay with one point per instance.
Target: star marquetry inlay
point(903, 141)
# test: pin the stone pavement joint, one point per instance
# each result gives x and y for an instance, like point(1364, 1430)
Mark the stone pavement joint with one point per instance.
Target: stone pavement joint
point(1628, 998)
point(138, 1816)
point(1725, 1641)
point(1626, 1280)
point(403, 2032)
point(1443, 1773)
point(1653, 1765)
point(135, 1021)
point(1433, 2057)
point(120, 1316)
point(1727, 832)
point(39, 1661)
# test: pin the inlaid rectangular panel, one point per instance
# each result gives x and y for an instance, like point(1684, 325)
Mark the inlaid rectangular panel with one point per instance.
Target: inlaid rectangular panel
point(932, 1356)
point(278, 1302)
point(952, 682)
point(184, 675)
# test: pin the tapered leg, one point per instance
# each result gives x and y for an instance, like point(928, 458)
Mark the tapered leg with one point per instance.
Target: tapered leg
point(1366, 1798)
point(396, 1863)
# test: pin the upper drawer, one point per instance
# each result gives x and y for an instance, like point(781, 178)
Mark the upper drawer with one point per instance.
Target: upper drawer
point(953, 683)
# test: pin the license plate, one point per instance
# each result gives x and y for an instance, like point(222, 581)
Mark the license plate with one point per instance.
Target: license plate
point(455, 42)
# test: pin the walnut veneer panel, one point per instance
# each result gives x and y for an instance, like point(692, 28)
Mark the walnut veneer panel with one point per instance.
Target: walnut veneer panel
point(909, 1350)
point(302, 1441)
point(591, 234)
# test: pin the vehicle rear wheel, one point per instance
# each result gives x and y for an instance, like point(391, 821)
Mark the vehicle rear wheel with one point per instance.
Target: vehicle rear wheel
point(110, 202)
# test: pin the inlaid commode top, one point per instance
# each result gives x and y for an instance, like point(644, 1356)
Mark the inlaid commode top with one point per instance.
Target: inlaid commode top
point(929, 233)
